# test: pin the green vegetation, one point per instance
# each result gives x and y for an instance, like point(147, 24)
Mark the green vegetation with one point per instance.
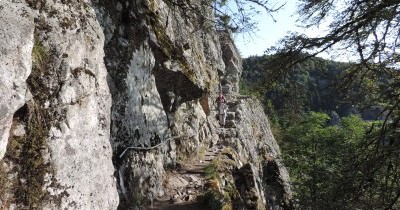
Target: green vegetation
point(138, 199)
point(27, 151)
point(332, 167)
point(307, 87)
point(33, 166)
point(314, 154)
point(233, 15)
point(238, 15)
point(213, 197)
point(211, 171)
point(25, 155)
point(39, 55)
point(3, 183)
point(213, 200)
point(218, 197)
point(336, 159)
point(368, 30)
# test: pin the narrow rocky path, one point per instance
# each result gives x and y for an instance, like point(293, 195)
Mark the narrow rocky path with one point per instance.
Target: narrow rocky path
point(185, 184)
point(188, 181)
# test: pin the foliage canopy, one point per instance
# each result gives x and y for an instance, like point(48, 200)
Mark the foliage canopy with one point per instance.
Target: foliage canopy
point(234, 15)
point(370, 31)
point(334, 163)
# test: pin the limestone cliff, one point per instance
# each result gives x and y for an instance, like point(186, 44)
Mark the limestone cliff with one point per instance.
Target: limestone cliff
point(104, 103)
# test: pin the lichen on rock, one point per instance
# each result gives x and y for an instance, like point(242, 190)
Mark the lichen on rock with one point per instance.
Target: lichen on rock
point(15, 58)
point(104, 102)
point(64, 156)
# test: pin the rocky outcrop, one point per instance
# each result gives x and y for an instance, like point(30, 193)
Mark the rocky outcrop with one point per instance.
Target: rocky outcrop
point(233, 63)
point(15, 46)
point(256, 145)
point(160, 65)
point(109, 97)
point(59, 153)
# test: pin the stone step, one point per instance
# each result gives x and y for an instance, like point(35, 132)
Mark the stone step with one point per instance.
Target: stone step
point(226, 89)
point(230, 116)
point(232, 142)
point(227, 132)
point(230, 124)
point(233, 103)
point(233, 109)
point(238, 115)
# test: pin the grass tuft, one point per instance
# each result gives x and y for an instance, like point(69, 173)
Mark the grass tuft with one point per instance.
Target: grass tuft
point(40, 55)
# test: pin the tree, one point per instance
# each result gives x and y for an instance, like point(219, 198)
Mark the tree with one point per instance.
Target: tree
point(332, 168)
point(309, 151)
point(370, 30)
point(235, 15)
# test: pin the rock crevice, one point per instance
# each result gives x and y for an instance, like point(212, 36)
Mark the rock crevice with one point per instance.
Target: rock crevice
point(116, 97)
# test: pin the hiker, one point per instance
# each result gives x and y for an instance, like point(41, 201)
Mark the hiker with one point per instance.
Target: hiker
point(222, 107)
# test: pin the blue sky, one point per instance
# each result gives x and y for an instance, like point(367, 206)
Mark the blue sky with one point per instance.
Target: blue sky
point(269, 32)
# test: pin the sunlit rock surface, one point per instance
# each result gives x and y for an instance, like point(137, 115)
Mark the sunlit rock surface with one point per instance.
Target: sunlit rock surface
point(102, 99)
point(16, 42)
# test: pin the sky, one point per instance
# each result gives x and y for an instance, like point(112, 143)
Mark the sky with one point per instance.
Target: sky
point(269, 32)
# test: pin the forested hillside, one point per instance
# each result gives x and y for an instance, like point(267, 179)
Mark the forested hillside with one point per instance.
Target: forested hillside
point(309, 86)
point(327, 134)
point(337, 160)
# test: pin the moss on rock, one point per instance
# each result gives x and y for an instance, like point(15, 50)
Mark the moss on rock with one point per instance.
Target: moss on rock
point(33, 167)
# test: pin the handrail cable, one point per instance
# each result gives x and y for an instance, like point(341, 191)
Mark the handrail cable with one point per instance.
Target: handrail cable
point(149, 148)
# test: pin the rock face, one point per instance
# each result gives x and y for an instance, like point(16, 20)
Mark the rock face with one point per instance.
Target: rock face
point(102, 99)
point(232, 61)
point(59, 152)
point(15, 46)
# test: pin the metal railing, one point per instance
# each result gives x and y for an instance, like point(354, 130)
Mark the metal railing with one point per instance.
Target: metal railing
point(152, 147)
